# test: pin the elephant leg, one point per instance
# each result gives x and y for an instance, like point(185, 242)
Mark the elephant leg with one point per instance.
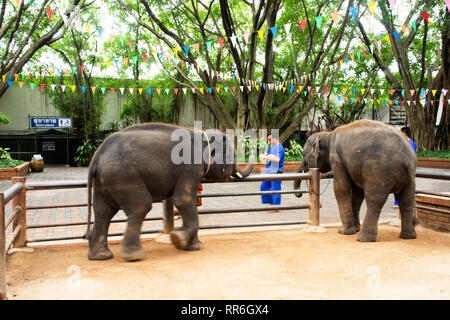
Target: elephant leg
point(98, 239)
point(357, 199)
point(375, 200)
point(343, 194)
point(186, 237)
point(406, 202)
point(139, 204)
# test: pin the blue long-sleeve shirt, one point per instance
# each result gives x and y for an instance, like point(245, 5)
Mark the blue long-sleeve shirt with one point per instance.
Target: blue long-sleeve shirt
point(275, 167)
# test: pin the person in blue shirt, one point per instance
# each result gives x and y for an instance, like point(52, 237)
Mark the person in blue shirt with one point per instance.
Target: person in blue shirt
point(274, 159)
point(407, 134)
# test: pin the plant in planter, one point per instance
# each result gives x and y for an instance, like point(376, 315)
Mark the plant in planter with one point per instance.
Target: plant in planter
point(6, 161)
point(295, 152)
point(85, 153)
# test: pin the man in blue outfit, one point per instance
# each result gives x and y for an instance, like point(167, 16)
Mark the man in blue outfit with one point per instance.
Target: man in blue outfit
point(274, 159)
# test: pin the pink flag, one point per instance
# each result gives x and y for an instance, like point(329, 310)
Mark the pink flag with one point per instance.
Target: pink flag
point(445, 90)
point(176, 91)
point(49, 13)
point(392, 3)
point(379, 46)
point(447, 2)
point(302, 25)
point(246, 37)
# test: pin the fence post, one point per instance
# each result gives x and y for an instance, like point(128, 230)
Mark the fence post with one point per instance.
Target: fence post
point(314, 202)
point(21, 219)
point(2, 248)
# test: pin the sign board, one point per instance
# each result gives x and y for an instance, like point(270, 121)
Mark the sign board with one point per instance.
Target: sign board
point(50, 122)
point(48, 146)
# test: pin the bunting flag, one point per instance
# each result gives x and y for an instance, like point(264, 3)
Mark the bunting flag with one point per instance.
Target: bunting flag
point(302, 25)
point(379, 46)
point(18, 3)
point(372, 7)
point(221, 42)
point(186, 50)
point(425, 16)
point(387, 39)
point(246, 37)
point(261, 33)
point(413, 23)
point(99, 32)
point(335, 16)
point(274, 31)
point(447, 3)
point(318, 21)
point(197, 47)
point(396, 35)
point(208, 45)
point(354, 11)
point(175, 50)
point(49, 14)
point(392, 3)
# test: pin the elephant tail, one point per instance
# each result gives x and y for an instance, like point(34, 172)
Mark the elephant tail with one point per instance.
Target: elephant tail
point(91, 176)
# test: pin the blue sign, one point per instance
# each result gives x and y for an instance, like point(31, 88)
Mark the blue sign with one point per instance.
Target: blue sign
point(50, 122)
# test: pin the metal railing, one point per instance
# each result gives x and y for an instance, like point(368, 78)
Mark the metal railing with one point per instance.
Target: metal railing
point(17, 194)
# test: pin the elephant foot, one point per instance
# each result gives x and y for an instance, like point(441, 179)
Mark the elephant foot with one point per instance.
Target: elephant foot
point(347, 231)
point(408, 235)
point(100, 254)
point(364, 237)
point(181, 241)
point(133, 254)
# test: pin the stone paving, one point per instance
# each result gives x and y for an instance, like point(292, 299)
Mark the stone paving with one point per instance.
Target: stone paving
point(329, 212)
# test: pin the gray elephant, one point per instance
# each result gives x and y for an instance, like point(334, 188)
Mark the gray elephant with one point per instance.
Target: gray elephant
point(149, 163)
point(369, 160)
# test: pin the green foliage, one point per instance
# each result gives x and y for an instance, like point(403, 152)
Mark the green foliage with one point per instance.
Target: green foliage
point(294, 152)
point(4, 119)
point(6, 161)
point(443, 154)
point(85, 153)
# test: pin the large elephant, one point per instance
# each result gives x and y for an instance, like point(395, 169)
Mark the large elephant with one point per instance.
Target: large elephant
point(144, 164)
point(369, 160)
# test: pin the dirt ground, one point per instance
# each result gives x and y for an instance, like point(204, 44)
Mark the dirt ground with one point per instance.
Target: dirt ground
point(276, 264)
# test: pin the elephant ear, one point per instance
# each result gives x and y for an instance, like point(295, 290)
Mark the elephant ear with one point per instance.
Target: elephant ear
point(315, 149)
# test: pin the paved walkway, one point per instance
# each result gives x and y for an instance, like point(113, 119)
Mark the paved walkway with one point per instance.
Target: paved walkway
point(329, 212)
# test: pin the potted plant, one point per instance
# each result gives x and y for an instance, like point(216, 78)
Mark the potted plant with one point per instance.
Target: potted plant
point(85, 153)
point(10, 167)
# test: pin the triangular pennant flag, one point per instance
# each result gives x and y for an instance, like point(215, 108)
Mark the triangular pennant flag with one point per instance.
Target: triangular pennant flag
point(73, 88)
point(10, 83)
point(145, 57)
point(135, 59)
point(319, 21)
point(261, 33)
point(184, 90)
point(129, 44)
point(335, 16)
point(372, 6)
point(246, 38)
point(354, 11)
point(413, 23)
point(131, 90)
point(447, 3)
point(21, 84)
point(103, 89)
point(274, 31)
point(83, 89)
point(112, 90)
point(379, 46)
point(99, 32)
point(287, 27)
point(445, 90)
point(176, 91)
point(208, 45)
point(425, 16)
point(186, 50)
point(18, 3)
point(218, 89)
point(175, 50)
point(93, 90)
point(434, 92)
point(63, 88)
point(149, 90)
point(412, 92)
point(158, 90)
point(392, 3)
point(197, 47)
point(396, 35)
point(53, 86)
point(82, 69)
point(221, 42)
point(32, 85)
point(49, 13)
point(122, 90)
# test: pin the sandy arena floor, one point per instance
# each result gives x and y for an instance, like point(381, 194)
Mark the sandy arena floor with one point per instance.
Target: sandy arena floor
point(276, 264)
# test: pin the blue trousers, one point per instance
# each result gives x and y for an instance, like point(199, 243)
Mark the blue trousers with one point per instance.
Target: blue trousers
point(271, 186)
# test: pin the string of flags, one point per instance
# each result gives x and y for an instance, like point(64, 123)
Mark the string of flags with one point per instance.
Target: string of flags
point(335, 93)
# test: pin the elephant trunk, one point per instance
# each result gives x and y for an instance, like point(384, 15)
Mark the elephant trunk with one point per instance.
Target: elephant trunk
point(297, 183)
point(238, 173)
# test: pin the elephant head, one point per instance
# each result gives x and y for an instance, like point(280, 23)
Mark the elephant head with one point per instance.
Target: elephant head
point(316, 154)
point(222, 163)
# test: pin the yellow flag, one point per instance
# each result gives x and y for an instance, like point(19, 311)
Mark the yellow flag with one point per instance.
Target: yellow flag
point(257, 88)
point(4, 77)
point(73, 88)
point(107, 64)
point(387, 39)
point(176, 51)
point(201, 90)
point(340, 61)
point(88, 26)
point(372, 6)
point(51, 73)
point(140, 91)
point(284, 89)
point(261, 33)
point(300, 88)
point(434, 92)
point(363, 90)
